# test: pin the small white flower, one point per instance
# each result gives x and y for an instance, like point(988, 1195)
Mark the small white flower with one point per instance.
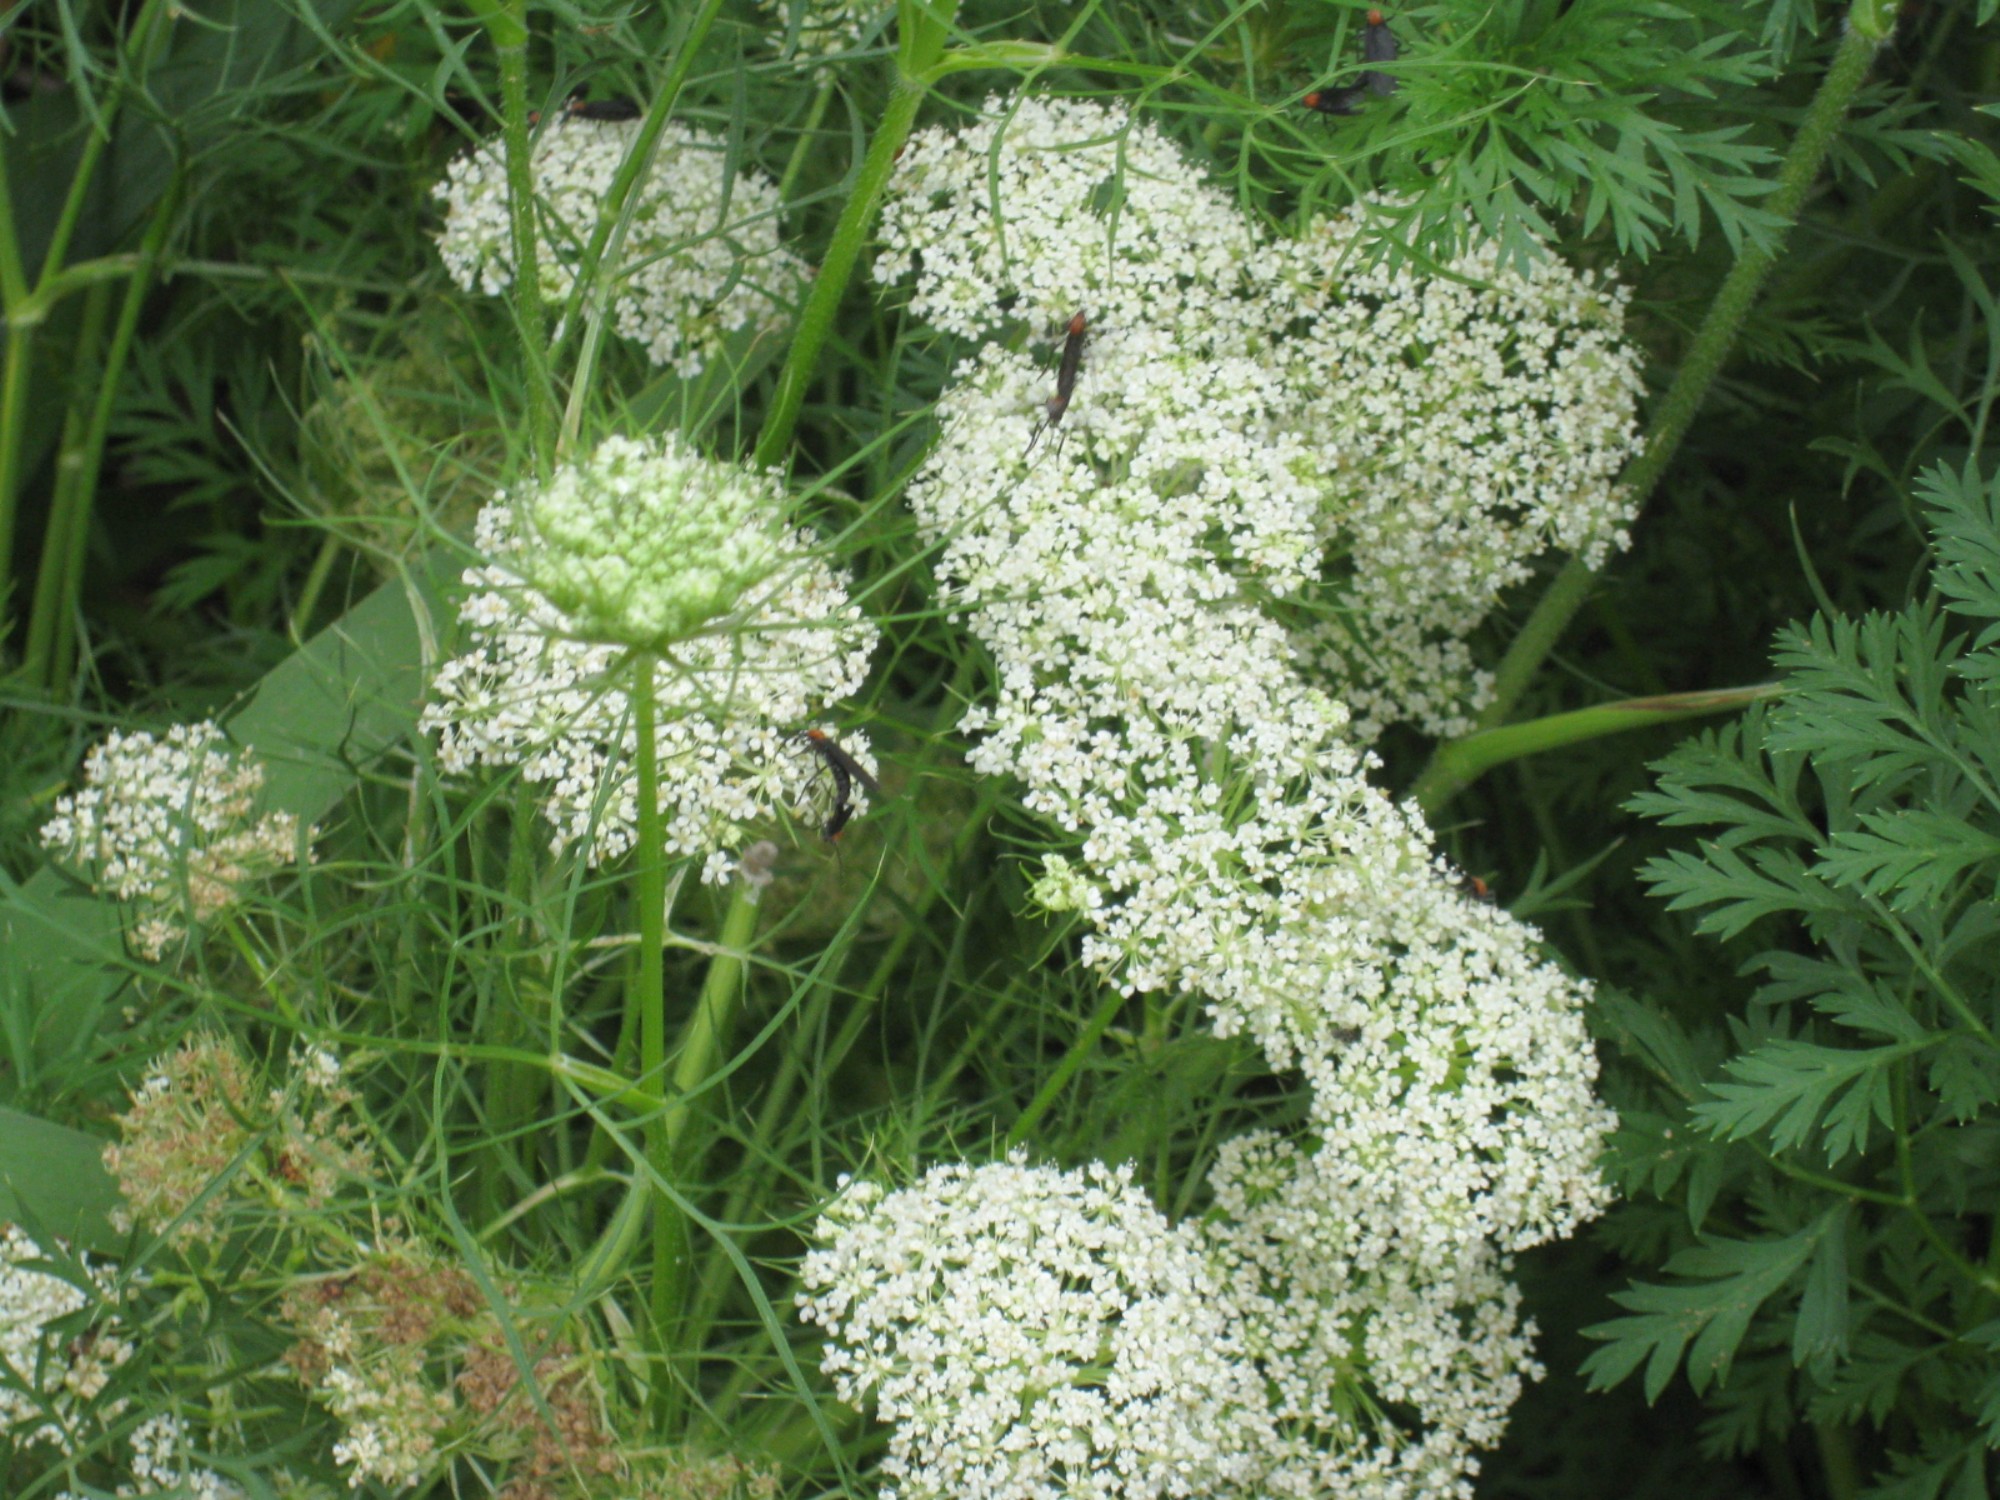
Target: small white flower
point(170, 827)
point(701, 254)
point(827, 27)
point(775, 640)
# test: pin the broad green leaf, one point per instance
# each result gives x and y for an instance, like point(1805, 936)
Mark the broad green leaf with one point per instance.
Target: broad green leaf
point(53, 1178)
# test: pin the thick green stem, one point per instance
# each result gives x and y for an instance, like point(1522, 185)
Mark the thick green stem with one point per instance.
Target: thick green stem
point(598, 266)
point(1712, 345)
point(922, 32)
point(51, 648)
point(505, 23)
point(1464, 761)
point(15, 296)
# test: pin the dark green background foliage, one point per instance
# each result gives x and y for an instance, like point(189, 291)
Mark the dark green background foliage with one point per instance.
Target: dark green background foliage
point(1803, 1280)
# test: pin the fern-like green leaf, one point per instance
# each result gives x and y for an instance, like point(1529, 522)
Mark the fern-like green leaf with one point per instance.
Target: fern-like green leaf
point(1739, 887)
point(1731, 1279)
point(1785, 1085)
point(1838, 990)
point(1910, 857)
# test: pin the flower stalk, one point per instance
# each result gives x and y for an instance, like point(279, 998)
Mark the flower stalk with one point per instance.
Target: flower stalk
point(922, 31)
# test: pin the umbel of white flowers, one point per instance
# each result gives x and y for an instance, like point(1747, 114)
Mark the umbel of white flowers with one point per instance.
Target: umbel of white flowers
point(646, 545)
point(1197, 603)
point(701, 256)
point(1032, 1332)
point(169, 826)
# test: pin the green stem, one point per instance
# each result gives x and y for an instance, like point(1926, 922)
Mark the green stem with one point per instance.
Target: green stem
point(15, 294)
point(648, 992)
point(703, 1039)
point(505, 23)
point(1712, 345)
point(597, 267)
point(510, 1087)
point(49, 656)
point(1463, 761)
point(922, 32)
point(1079, 1053)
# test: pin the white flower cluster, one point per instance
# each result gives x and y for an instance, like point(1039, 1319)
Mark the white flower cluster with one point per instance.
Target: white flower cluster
point(701, 256)
point(161, 1464)
point(1033, 1333)
point(1444, 430)
point(391, 1418)
point(649, 536)
point(52, 1378)
point(169, 827)
point(1154, 590)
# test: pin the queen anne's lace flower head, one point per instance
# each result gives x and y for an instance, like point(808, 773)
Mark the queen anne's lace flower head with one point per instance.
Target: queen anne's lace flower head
point(1032, 1332)
point(162, 1465)
point(169, 826)
point(1447, 429)
point(201, 1141)
point(827, 27)
point(540, 688)
point(1341, 1336)
point(701, 256)
point(1466, 423)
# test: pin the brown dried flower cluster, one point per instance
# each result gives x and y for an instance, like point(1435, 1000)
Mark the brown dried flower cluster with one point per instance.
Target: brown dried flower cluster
point(201, 1122)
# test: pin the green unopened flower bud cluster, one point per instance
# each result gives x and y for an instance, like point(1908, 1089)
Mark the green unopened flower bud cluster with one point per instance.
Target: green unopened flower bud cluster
point(643, 543)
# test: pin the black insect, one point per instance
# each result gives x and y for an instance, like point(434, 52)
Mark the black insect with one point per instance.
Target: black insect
point(579, 108)
point(846, 772)
point(1378, 45)
point(1066, 373)
point(1335, 101)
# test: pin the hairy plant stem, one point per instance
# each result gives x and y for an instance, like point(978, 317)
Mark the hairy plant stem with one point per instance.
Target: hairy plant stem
point(506, 23)
point(921, 32)
point(1712, 345)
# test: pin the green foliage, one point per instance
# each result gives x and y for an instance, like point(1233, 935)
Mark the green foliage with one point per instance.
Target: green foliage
point(304, 407)
point(1854, 829)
